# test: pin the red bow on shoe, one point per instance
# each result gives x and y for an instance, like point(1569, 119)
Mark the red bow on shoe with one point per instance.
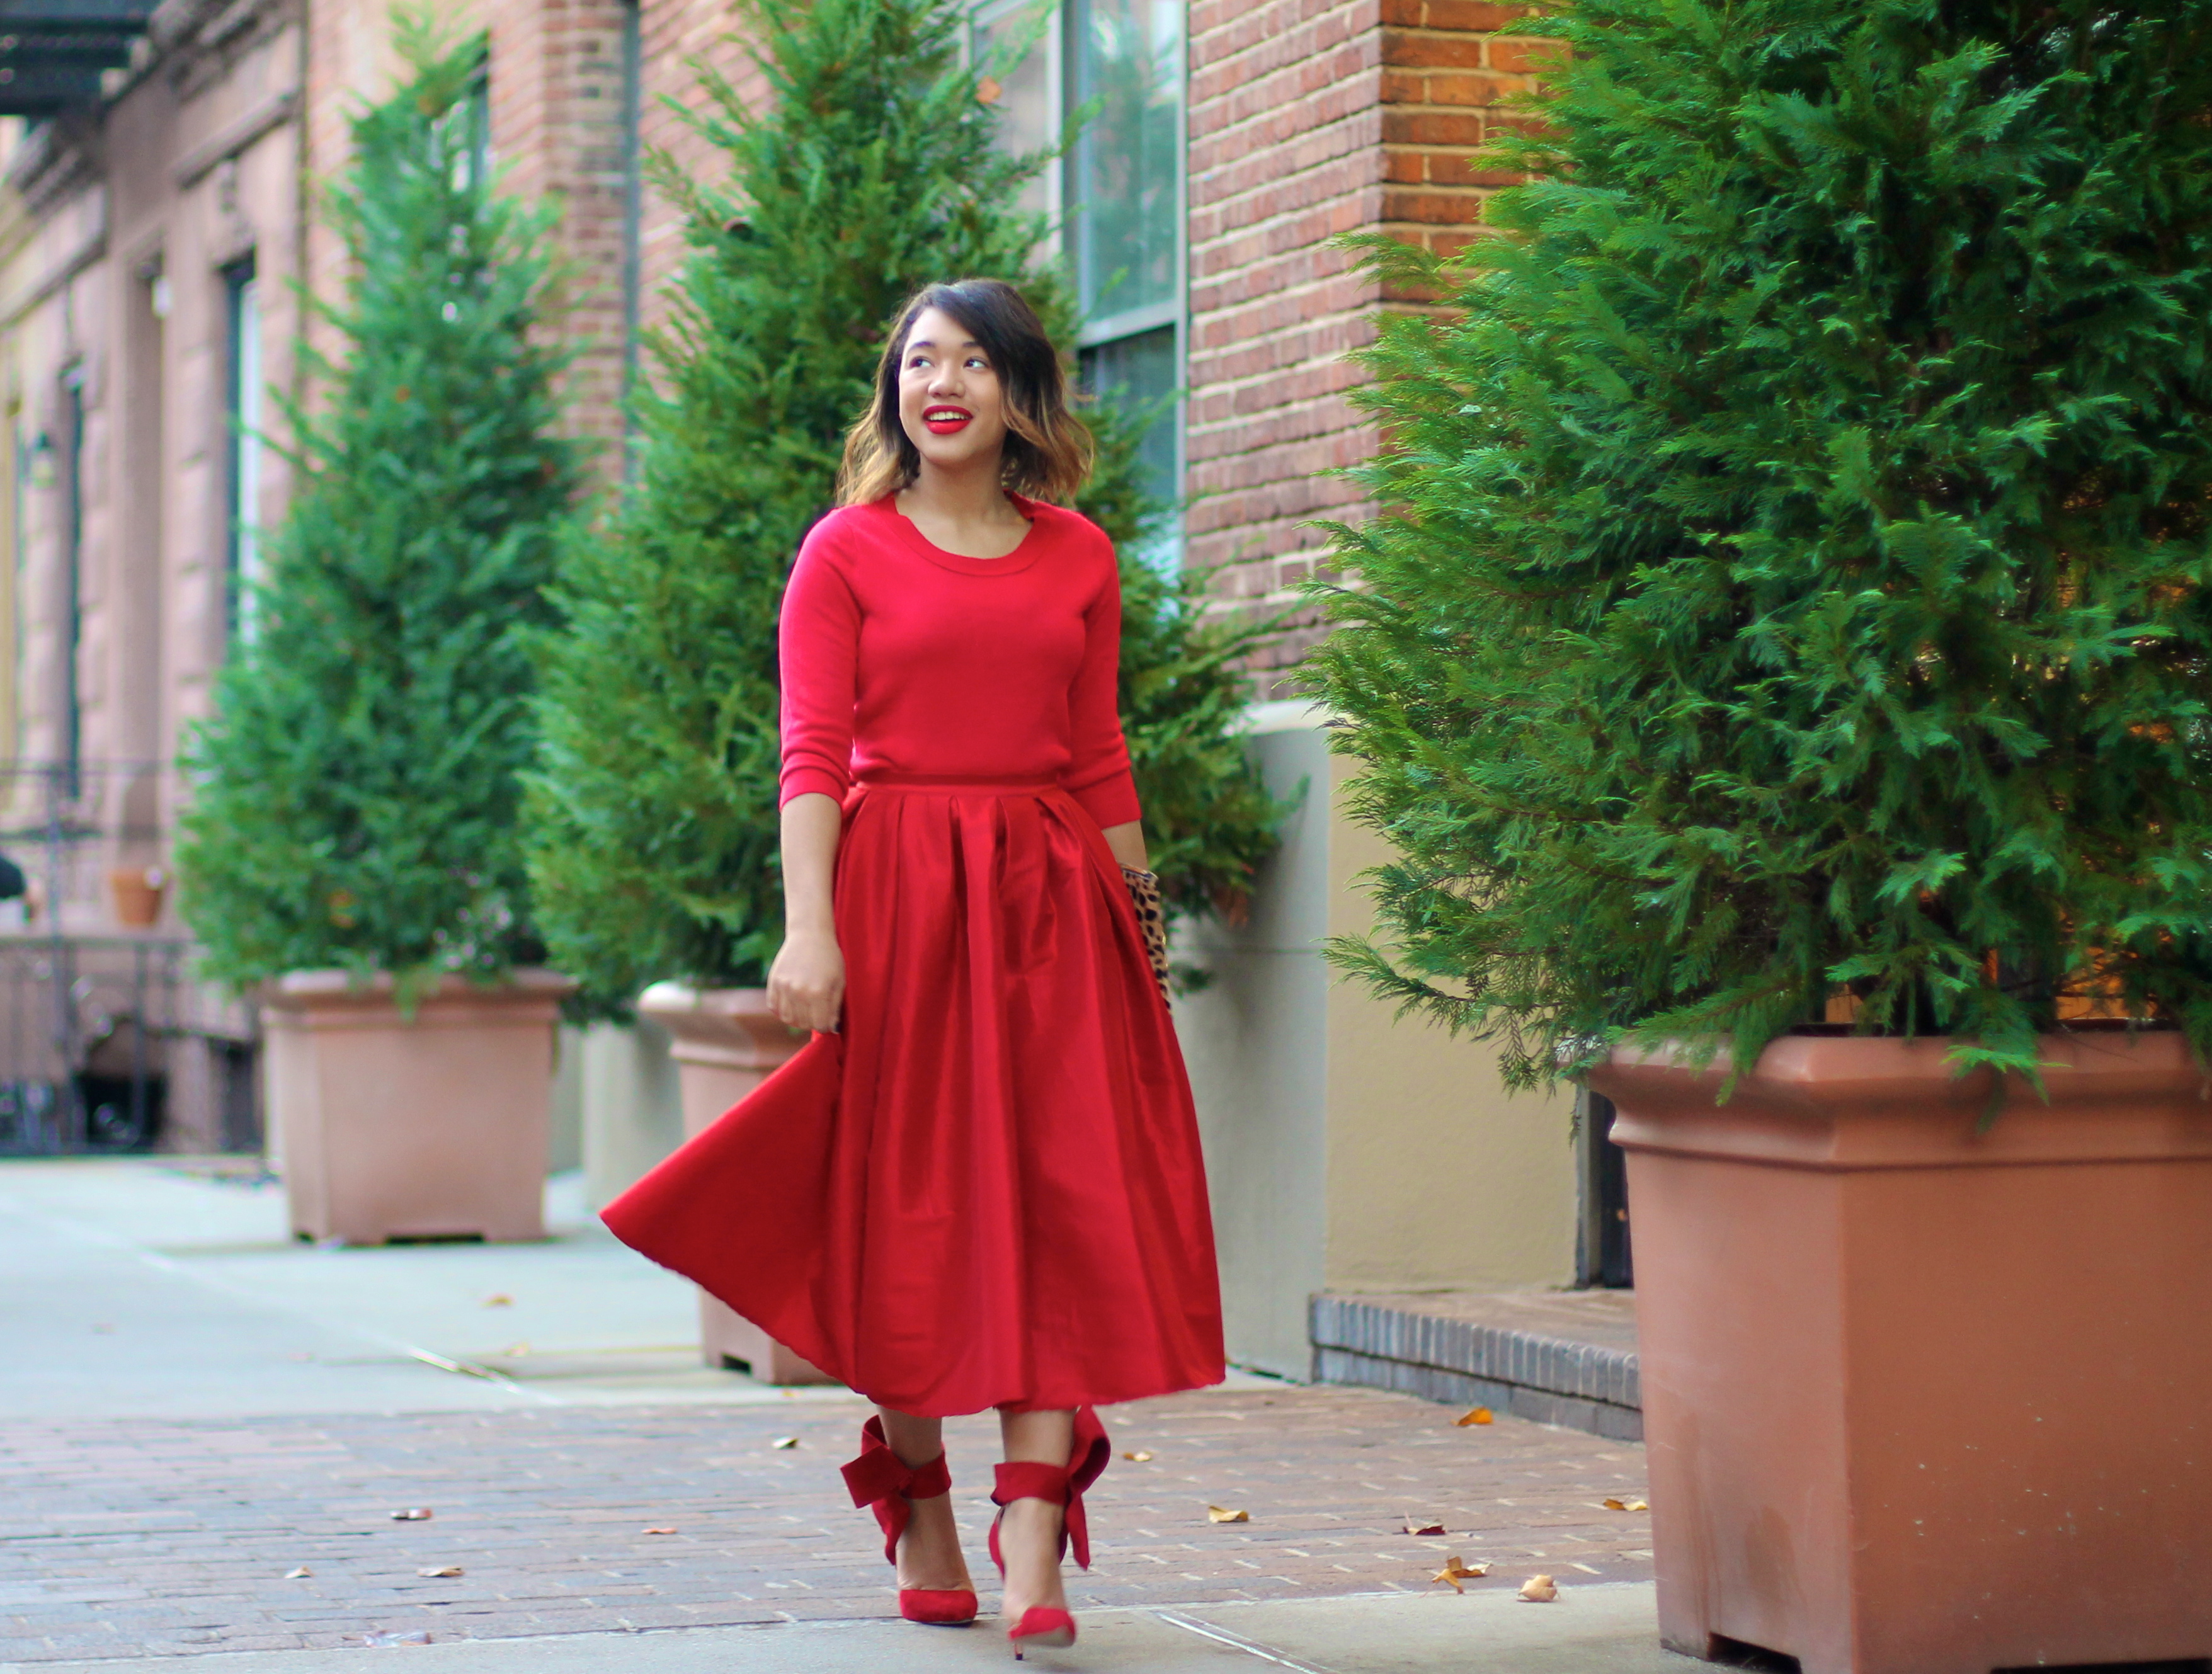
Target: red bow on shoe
point(880, 1480)
point(1062, 1485)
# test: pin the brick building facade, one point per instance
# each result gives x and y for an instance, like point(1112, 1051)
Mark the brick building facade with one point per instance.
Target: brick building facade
point(151, 231)
point(1310, 119)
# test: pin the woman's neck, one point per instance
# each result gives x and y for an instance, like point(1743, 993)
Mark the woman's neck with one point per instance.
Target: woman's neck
point(970, 496)
point(964, 512)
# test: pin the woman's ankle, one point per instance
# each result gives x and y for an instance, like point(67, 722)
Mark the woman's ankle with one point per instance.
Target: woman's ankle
point(1029, 1540)
point(931, 1557)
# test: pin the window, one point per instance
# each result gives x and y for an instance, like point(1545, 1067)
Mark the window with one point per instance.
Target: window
point(1119, 191)
point(468, 132)
point(1031, 105)
point(72, 509)
point(632, 178)
point(1125, 169)
point(243, 449)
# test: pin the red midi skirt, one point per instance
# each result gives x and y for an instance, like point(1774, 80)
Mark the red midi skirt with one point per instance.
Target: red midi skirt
point(987, 1190)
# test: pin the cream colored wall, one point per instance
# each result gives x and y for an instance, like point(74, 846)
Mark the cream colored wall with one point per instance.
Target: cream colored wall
point(1346, 1151)
point(1438, 1176)
point(1255, 1041)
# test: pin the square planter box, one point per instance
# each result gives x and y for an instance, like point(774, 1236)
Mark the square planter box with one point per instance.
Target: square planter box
point(727, 1043)
point(1922, 1399)
point(425, 1127)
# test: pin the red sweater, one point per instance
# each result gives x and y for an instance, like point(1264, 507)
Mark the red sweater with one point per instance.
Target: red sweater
point(900, 658)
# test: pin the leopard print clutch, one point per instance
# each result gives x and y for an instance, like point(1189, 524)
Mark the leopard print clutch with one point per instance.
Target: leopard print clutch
point(1144, 895)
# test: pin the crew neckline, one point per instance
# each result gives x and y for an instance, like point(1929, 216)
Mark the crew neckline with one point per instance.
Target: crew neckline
point(1023, 554)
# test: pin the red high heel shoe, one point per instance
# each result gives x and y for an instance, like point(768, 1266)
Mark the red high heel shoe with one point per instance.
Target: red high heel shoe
point(1062, 1486)
point(888, 1486)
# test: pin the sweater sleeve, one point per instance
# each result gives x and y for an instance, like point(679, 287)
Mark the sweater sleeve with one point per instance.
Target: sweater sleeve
point(817, 645)
point(1098, 771)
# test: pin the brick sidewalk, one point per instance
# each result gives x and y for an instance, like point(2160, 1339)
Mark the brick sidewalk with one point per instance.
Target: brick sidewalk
point(125, 1537)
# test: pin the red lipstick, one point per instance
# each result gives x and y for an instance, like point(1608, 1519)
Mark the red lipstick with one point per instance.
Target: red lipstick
point(944, 419)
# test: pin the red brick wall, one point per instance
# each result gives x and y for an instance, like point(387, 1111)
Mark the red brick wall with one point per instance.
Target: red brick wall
point(677, 34)
point(556, 133)
point(1309, 119)
point(557, 110)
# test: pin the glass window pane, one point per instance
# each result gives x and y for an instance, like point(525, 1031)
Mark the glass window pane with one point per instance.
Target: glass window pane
point(1139, 374)
point(1027, 121)
point(1128, 163)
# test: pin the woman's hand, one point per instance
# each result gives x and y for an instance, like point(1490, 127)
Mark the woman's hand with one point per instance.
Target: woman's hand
point(806, 983)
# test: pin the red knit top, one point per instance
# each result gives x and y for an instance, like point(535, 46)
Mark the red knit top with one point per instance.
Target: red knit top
point(900, 658)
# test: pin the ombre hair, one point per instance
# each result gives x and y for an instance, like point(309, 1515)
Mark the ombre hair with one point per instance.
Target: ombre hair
point(1049, 450)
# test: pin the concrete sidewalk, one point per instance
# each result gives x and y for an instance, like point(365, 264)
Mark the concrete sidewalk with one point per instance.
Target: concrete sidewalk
point(1591, 1630)
point(193, 1406)
point(144, 1286)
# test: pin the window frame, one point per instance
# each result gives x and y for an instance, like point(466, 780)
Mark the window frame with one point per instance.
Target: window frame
point(1059, 44)
point(242, 453)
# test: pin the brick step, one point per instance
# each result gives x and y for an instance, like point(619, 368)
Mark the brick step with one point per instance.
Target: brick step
point(1556, 1357)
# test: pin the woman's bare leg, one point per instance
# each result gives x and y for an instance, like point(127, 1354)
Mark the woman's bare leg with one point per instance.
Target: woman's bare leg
point(1029, 1538)
point(929, 1554)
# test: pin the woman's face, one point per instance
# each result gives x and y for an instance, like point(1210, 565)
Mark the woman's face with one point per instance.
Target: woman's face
point(950, 401)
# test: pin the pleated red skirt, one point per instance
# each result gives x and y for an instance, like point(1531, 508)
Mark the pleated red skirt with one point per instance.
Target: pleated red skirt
point(986, 1192)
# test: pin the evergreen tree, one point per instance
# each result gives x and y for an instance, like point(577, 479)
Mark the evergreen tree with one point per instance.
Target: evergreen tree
point(356, 792)
point(1796, 576)
point(872, 170)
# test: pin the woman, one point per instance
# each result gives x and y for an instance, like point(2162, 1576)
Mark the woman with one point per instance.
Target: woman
point(979, 1185)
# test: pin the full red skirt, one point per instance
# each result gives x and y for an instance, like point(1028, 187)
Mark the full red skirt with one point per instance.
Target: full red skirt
point(987, 1189)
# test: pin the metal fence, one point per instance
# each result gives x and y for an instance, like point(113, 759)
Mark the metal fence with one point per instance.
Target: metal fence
point(102, 1024)
point(89, 1026)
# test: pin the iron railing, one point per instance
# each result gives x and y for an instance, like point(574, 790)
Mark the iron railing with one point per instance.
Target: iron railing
point(100, 1021)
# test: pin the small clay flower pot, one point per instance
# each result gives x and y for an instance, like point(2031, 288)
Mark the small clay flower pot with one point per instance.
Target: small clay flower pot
point(726, 1042)
point(1922, 1396)
point(137, 892)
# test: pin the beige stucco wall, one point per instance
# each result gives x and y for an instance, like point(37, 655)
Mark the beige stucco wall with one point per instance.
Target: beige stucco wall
point(1349, 1151)
point(1437, 1176)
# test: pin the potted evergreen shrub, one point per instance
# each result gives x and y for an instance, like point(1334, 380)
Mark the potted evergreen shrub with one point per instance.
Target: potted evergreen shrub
point(352, 847)
point(1782, 673)
point(871, 170)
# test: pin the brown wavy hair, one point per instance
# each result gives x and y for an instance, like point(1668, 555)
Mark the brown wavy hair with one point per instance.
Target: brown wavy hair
point(1049, 450)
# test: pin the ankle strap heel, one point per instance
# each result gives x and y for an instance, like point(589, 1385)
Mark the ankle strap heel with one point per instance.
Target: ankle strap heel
point(1059, 1485)
point(880, 1480)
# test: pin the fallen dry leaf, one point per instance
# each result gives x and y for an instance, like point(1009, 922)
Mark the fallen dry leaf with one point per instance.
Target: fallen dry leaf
point(660, 1531)
point(299, 1574)
point(784, 1441)
point(377, 1641)
point(1473, 1416)
point(515, 1350)
point(417, 1514)
point(1140, 1457)
point(1412, 1528)
point(499, 1298)
point(1455, 1572)
point(1223, 1514)
point(1539, 1590)
point(1626, 1505)
point(439, 1572)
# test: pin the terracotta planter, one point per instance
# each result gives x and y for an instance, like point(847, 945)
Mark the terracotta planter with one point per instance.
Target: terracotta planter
point(727, 1043)
point(392, 1127)
point(1920, 1400)
point(137, 892)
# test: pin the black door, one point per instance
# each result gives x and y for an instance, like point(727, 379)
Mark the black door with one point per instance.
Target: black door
point(1606, 1258)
